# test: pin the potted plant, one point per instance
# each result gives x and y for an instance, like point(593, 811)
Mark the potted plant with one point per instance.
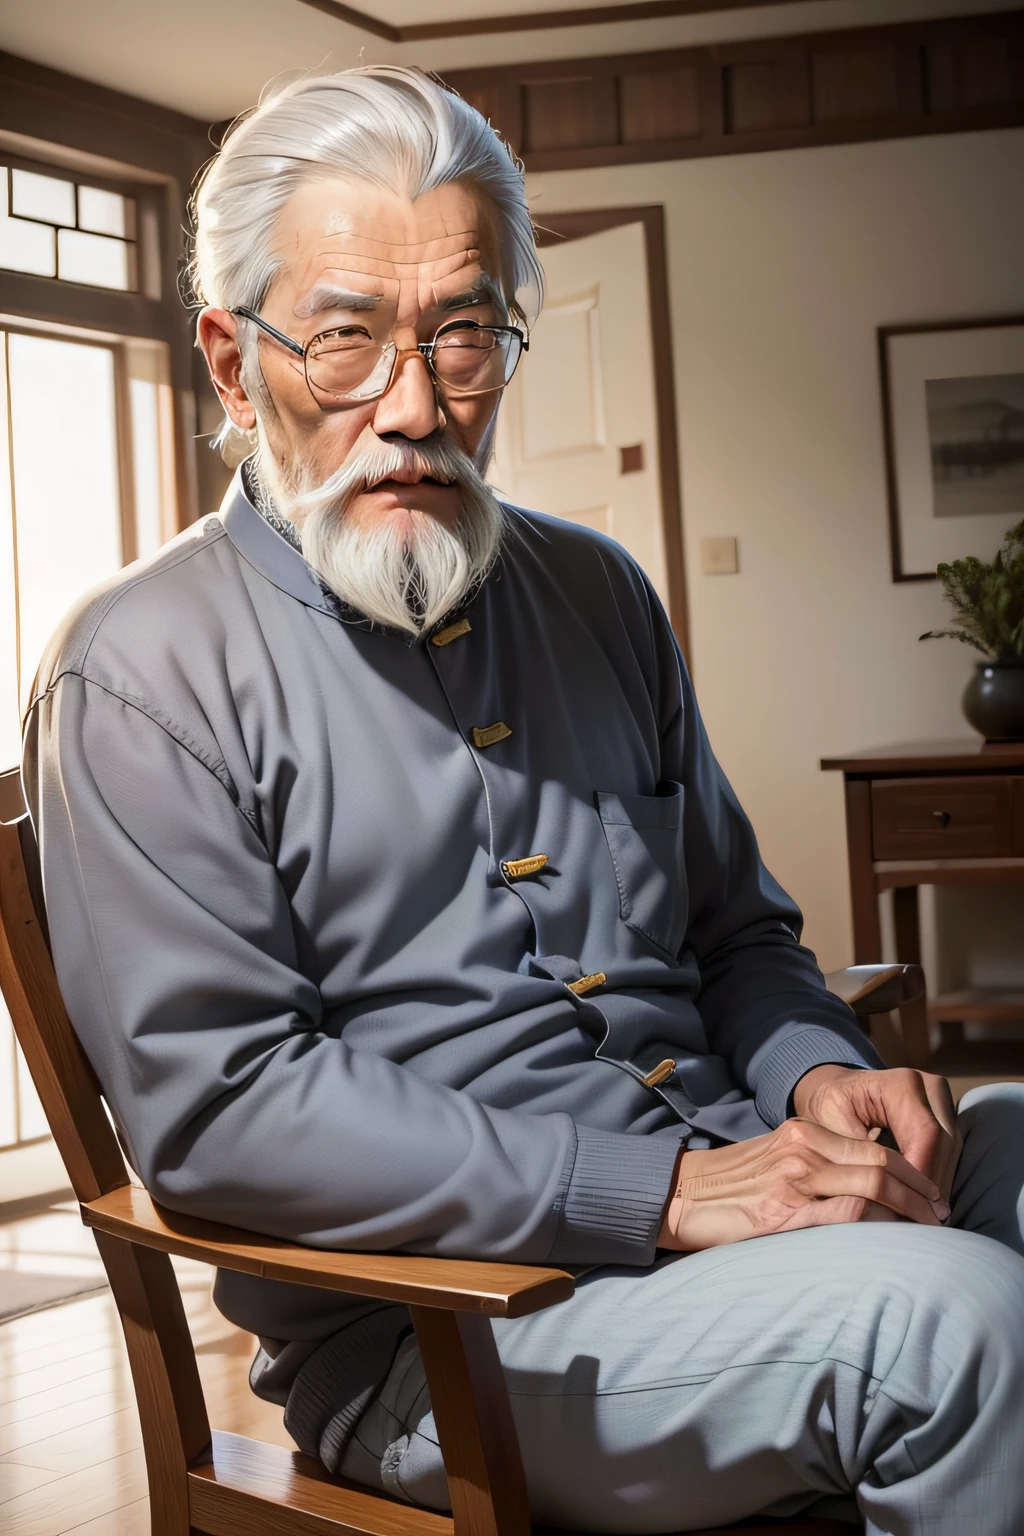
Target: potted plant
point(988, 605)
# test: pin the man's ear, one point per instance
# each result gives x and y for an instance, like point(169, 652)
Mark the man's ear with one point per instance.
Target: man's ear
point(218, 337)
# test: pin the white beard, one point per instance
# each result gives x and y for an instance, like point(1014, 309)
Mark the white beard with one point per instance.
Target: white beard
point(409, 572)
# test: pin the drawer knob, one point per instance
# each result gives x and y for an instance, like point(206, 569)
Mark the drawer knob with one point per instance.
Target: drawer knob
point(942, 817)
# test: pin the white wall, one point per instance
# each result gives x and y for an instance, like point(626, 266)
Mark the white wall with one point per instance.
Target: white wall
point(782, 266)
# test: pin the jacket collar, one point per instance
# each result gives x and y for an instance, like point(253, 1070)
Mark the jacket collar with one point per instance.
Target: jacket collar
point(270, 554)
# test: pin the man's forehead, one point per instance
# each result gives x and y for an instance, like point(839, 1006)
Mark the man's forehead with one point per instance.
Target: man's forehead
point(455, 256)
point(356, 230)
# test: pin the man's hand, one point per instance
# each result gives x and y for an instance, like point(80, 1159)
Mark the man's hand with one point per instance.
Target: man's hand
point(916, 1107)
point(801, 1175)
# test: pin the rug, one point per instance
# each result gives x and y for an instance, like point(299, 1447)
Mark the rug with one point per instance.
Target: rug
point(21, 1292)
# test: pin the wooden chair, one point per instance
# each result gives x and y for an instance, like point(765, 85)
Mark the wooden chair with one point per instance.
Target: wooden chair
point(227, 1485)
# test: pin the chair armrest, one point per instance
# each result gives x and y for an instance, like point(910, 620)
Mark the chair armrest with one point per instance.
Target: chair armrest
point(876, 988)
point(454, 1285)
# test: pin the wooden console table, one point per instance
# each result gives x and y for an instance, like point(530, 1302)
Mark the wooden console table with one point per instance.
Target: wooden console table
point(935, 813)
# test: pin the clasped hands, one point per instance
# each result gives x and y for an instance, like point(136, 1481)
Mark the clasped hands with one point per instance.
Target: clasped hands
point(826, 1166)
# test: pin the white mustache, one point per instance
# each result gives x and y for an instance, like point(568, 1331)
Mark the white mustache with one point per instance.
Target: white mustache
point(431, 458)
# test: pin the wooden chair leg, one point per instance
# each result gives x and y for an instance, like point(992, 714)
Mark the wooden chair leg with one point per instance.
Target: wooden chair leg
point(913, 1015)
point(175, 1428)
point(474, 1422)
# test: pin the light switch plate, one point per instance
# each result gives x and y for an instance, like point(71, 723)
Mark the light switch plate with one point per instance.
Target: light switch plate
point(719, 557)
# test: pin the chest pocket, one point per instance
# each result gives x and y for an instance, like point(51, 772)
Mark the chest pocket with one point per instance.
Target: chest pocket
point(645, 839)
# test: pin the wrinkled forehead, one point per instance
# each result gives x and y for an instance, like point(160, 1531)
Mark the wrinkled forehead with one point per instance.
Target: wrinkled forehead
point(408, 254)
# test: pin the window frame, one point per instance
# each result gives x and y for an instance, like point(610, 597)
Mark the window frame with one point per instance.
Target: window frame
point(78, 177)
point(122, 412)
point(57, 122)
point(142, 311)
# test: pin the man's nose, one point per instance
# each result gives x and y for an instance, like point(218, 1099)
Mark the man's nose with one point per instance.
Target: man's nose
point(410, 406)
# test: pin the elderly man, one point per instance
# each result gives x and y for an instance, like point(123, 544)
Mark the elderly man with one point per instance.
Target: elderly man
point(400, 903)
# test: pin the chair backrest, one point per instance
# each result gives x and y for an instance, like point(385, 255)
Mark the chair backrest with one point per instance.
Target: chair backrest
point(64, 1079)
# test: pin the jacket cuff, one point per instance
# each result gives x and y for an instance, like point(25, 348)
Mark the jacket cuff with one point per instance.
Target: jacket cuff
point(796, 1053)
point(617, 1193)
point(336, 1383)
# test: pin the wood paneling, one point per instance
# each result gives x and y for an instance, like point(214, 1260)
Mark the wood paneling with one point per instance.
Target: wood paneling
point(660, 104)
point(570, 114)
point(780, 93)
point(986, 72)
point(855, 83)
point(487, 101)
point(765, 93)
point(752, 96)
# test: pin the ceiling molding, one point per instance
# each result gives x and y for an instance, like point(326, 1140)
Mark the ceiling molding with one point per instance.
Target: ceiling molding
point(356, 19)
point(537, 21)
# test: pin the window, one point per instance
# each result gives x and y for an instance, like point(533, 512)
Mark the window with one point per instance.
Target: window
point(86, 484)
point(52, 226)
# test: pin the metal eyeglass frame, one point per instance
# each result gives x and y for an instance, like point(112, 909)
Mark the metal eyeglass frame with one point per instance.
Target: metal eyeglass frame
point(424, 348)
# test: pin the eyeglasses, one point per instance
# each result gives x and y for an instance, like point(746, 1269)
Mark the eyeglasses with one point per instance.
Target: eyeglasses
point(348, 366)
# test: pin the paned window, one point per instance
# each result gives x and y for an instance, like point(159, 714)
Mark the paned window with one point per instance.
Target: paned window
point(53, 226)
point(86, 484)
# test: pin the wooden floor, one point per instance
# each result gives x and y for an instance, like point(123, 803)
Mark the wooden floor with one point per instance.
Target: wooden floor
point(70, 1447)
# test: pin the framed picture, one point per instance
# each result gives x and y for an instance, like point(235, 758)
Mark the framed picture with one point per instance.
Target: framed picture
point(953, 404)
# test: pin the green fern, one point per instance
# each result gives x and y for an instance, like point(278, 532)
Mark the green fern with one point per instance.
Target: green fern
point(987, 600)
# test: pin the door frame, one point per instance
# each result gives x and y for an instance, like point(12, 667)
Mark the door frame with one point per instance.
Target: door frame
point(560, 227)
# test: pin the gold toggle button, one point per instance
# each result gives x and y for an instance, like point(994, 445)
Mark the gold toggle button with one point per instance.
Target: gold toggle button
point(451, 632)
point(661, 1071)
point(588, 983)
point(487, 735)
point(518, 869)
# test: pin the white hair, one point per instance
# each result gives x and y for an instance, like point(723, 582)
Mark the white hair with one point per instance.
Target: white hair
point(392, 127)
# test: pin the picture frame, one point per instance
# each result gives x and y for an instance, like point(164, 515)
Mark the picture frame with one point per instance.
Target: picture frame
point(953, 416)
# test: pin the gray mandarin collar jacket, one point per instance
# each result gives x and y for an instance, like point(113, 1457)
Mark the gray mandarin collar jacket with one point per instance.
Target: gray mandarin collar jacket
point(323, 999)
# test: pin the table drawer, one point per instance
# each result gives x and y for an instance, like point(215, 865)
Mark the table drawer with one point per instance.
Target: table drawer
point(942, 818)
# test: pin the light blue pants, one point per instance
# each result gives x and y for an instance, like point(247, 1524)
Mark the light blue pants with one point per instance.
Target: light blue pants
point(879, 1363)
